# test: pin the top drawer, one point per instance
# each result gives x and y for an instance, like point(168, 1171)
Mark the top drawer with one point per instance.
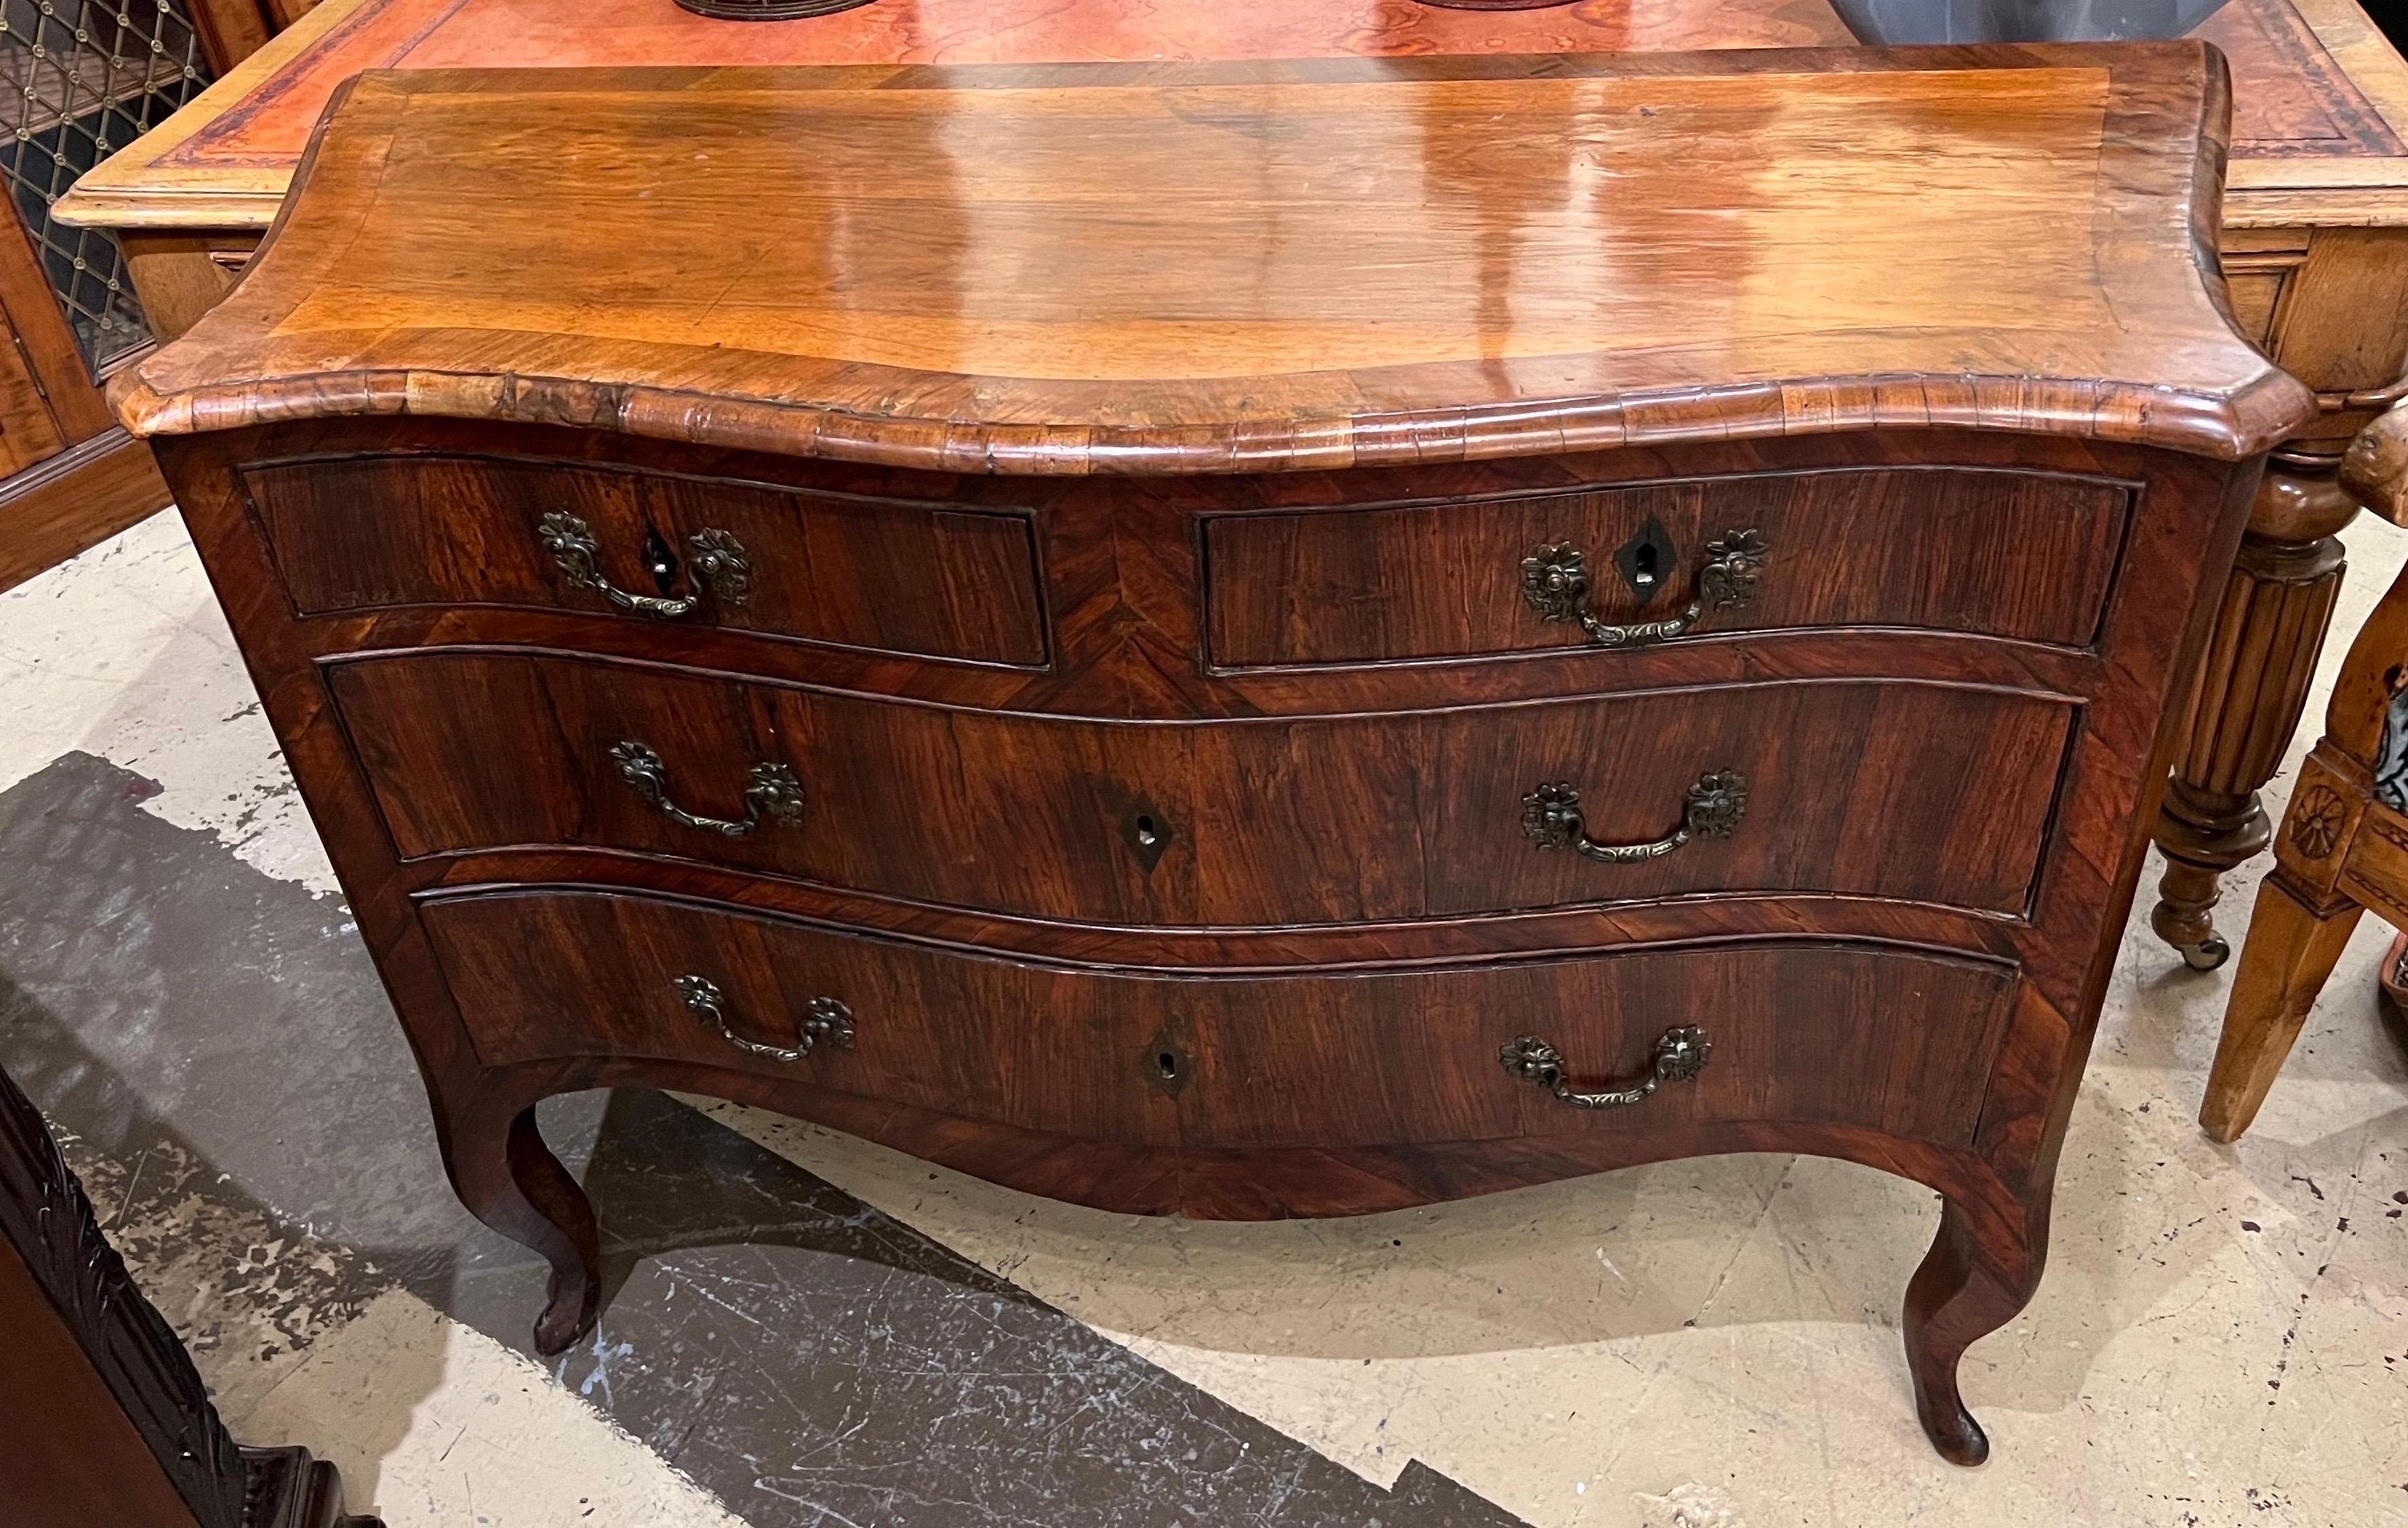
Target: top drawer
point(885, 575)
point(1999, 554)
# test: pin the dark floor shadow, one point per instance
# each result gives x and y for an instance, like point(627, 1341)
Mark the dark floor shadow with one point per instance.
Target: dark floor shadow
point(204, 1029)
point(248, 1291)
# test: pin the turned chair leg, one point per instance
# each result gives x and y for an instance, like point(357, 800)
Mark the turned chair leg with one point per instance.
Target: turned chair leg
point(1980, 1272)
point(2284, 961)
point(510, 1179)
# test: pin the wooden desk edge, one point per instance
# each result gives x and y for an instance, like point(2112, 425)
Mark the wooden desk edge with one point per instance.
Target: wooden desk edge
point(126, 191)
point(124, 172)
point(2274, 199)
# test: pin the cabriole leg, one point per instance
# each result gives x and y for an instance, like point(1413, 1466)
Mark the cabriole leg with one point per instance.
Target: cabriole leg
point(510, 1179)
point(1979, 1272)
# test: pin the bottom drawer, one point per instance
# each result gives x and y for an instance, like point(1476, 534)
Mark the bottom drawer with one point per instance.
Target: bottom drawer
point(1879, 1039)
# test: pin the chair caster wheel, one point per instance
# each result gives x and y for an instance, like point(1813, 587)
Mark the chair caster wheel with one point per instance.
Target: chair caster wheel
point(2207, 953)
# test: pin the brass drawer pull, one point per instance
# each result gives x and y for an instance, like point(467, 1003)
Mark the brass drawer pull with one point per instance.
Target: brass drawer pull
point(771, 792)
point(1680, 1055)
point(1714, 805)
point(826, 1022)
point(1555, 582)
point(717, 563)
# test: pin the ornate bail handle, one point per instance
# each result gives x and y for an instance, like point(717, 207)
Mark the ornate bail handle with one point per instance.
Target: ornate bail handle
point(1555, 582)
point(826, 1022)
point(714, 559)
point(1551, 814)
point(1680, 1055)
point(771, 792)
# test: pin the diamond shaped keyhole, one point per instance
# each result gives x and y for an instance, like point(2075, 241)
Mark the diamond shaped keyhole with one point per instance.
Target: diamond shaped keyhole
point(1645, 560)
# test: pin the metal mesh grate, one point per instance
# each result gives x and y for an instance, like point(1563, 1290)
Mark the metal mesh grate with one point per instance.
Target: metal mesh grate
point(79, 80)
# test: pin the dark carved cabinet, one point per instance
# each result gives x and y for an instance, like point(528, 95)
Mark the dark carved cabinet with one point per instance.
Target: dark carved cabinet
point(104, 1418)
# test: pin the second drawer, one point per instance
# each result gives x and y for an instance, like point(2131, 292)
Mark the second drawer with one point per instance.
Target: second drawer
point(1914, 791)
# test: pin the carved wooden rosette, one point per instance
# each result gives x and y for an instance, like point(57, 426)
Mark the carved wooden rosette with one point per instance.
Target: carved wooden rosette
point(2340, 850)
point(2335, 305)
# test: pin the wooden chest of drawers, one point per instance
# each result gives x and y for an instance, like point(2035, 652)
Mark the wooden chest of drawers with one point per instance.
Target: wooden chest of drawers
point(1248, 641)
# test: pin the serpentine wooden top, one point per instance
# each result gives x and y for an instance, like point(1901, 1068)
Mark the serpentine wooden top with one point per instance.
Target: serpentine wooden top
point(2320, 98)
point(1196, 267)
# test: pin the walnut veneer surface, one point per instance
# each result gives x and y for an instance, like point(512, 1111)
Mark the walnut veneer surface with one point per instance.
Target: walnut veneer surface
point(1183, 638)
point(2314, 238)
point(1379, 288)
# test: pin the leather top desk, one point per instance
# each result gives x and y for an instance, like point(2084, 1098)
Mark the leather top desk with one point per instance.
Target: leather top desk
point(2314, 237)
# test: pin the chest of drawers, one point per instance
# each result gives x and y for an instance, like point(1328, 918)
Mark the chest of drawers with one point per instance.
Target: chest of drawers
point(1247, 641)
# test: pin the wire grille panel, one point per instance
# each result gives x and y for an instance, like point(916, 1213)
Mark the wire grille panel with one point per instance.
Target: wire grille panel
point(79, 80)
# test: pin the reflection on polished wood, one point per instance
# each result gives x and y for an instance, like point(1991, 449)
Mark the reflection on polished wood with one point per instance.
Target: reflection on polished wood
point(1095, 538)
point(1215, 268)
point(2315, 234)
point(2321, 101)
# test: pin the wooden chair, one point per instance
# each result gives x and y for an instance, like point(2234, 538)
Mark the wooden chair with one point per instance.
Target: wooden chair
point(2343, 847)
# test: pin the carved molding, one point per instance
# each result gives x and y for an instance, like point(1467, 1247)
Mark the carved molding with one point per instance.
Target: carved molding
point(45, 1215)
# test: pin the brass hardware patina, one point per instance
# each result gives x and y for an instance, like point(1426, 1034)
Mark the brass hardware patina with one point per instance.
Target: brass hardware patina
point(826, 1022)
point(1681, 1054)
point(715, 562)
point(771, 792)
point(1551, 814)
point(1555, 582)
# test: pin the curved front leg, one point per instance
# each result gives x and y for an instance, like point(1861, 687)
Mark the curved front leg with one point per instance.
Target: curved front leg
point(1981, 1271)
point(510, 1179)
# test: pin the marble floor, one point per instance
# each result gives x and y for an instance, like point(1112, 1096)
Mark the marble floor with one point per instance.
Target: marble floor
point(806, 1330)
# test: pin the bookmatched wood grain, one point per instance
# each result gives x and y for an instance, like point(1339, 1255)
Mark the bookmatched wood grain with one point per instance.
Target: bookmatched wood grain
point(2313, 221)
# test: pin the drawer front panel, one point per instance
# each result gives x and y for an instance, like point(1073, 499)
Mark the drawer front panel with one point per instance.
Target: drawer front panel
point(1914, 791)
point(543, 975)
point(890, 576)
point(1996, 552)
point(1881, 1040)
point(1815, 1035)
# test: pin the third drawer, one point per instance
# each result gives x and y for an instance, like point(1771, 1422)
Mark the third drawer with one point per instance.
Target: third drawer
point(1892, 1040)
